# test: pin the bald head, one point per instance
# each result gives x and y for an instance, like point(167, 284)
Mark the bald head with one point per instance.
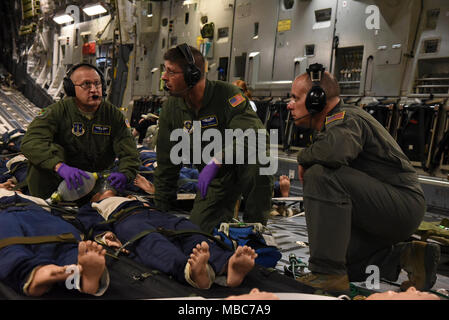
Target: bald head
point(328, 83)
point(76, 74)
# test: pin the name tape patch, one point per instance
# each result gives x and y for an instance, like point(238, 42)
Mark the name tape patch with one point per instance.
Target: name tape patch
point(101, 129)
point(209, 121)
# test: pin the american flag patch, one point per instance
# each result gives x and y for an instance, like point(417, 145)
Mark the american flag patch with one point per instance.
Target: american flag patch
point(127, 123)
point(337, 116)
point(236, 100)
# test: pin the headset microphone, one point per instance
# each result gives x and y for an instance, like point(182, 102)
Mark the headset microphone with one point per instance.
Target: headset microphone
point(307, 115)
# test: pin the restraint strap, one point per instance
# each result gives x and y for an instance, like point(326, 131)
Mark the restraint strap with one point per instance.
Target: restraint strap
point(116, 217)
point(65, 237)
point(15, 204)
point(172, 233)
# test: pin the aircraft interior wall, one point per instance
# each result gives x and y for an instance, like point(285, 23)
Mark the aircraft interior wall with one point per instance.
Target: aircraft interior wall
point(390, 57)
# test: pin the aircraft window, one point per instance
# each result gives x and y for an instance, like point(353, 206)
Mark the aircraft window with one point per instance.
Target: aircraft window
point(239, 66)
point(288, 4)
point(223, 32)
point(310, 50)
point(164, 22)
point(323, 15)
point(431, 46)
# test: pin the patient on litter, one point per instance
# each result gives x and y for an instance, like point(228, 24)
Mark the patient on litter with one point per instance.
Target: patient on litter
point(193, 258)
point(33, 269)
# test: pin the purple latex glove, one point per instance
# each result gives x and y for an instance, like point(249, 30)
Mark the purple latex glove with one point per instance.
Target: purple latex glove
point(118, 180)
point(73, 177)
point(206, 175)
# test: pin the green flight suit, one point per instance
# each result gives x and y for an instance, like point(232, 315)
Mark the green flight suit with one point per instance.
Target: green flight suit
point(61, 133)
point(361, 196)
point(224, 107)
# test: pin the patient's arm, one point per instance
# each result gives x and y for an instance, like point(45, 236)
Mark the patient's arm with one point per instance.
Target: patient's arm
point(111, 240)
point(9, 185)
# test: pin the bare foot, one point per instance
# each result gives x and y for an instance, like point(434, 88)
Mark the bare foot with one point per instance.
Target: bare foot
point(144, 184)
point(198, 261)
point(44, 277)
point(92, 262)
point(284, 185)
point(240, 263)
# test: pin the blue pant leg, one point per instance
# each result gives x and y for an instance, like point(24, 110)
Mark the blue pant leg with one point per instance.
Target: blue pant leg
point(154, 250)
point(37, 222)
point(157, 252)
point(16, 261)
point(172, 222)
point(218, 256)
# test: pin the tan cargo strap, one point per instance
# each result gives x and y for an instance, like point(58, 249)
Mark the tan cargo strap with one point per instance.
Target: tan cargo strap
point(65, 237)
point(15, 204)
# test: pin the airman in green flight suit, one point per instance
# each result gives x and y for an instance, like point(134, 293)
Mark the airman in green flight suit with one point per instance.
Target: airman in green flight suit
point(362, 197)
point(79, 133)
point(212, 105)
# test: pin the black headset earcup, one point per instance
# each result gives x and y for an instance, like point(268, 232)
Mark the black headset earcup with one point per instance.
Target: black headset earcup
point(192, 75)
point(315, 100)
point(69, 88)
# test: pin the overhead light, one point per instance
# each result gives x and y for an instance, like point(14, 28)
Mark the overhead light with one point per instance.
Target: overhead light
point(187, 2)
point(95, 9)
point(63, 18)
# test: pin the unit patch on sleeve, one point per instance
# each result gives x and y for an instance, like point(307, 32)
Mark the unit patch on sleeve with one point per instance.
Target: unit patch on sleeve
point(337, 116)
point(209, 121)
point(101, 129)
point(236, 100)
point(43, 113)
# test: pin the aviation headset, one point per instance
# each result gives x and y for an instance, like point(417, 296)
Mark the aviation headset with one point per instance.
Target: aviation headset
point(316, 97)
point(69, 87)
point(192, 74)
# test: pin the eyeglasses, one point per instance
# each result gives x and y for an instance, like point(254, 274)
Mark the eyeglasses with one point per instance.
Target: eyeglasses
point(169, 72)
point(88, 84)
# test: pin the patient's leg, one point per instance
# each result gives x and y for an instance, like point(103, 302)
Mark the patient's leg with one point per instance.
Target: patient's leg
point(198, 265)
point(91, 260)
point(44, 277)
point(240, 263)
